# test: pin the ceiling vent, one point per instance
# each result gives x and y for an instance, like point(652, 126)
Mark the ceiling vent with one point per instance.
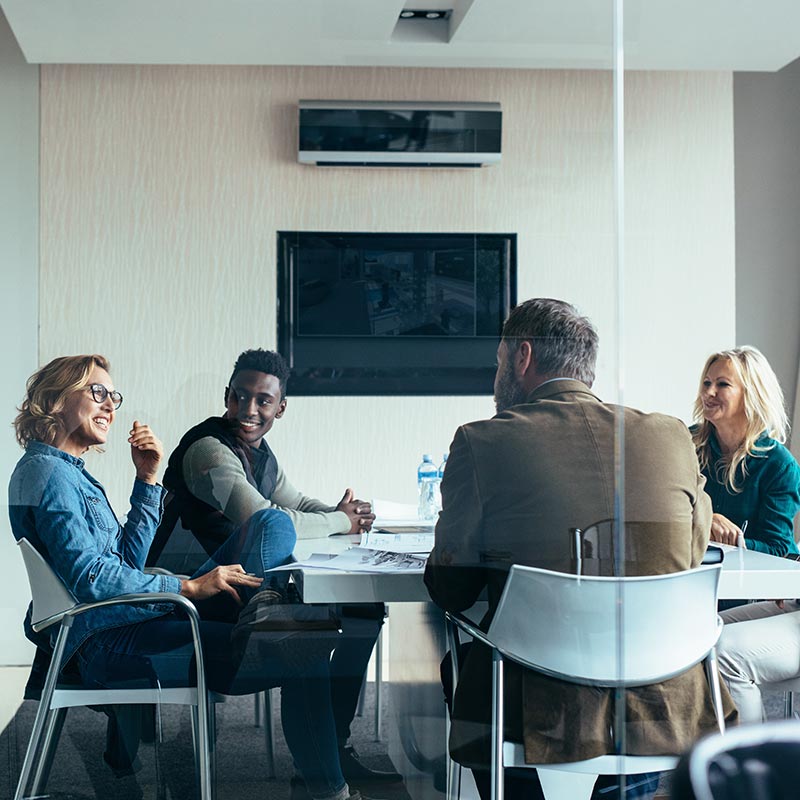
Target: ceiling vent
point(334, 133)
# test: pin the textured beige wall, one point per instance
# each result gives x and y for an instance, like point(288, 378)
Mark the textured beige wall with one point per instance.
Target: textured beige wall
point(162, 189)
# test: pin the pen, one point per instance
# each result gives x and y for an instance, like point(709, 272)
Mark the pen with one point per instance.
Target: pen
point(743, 529)
point(741, 546)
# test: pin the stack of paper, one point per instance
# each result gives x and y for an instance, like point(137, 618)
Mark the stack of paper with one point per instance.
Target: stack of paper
point(399, 540)
point(357, 559)
point(397, 515)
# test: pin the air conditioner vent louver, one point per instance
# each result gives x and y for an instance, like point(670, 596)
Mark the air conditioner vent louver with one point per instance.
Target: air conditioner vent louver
point(399, 134)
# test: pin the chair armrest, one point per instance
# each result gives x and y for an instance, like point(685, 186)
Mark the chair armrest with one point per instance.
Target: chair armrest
point(162, 571)
point(468, 626)
point(143, 598)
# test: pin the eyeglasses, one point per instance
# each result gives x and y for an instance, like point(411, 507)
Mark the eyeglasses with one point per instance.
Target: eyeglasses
point(99, 393)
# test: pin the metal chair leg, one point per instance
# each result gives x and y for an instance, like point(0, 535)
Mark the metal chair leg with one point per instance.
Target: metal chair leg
point(43, 712)
point(712, 672)
point(378, 685)
point(212, 741)
point(788, 705)
point(269, 734)
point(52, 735)
point(258, 702)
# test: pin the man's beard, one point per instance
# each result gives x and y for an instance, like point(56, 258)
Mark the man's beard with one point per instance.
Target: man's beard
point(508, 392)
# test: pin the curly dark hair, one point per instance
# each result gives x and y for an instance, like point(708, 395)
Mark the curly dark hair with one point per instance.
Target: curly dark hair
point(267, 361)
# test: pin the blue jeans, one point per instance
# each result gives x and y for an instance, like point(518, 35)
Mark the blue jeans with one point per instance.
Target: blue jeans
point(160, 652)
point(265, 541)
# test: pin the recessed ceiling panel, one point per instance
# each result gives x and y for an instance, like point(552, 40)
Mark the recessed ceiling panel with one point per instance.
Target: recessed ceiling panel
point(659, 34)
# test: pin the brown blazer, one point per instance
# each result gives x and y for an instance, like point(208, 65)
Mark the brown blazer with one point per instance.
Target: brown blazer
point(514, 486)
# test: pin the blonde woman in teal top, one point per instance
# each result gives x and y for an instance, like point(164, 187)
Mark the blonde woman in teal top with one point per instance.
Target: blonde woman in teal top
point(752, 479)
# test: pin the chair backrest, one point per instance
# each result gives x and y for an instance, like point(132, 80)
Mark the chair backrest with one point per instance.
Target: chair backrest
point(757, 762)
point(50, 597)
point(607, 631)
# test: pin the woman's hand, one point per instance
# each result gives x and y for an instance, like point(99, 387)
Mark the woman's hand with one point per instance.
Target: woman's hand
point(146, 452)
point(221, 579)
point(725, 532)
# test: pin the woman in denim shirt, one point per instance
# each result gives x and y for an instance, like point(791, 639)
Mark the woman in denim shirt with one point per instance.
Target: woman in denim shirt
point(63, 511)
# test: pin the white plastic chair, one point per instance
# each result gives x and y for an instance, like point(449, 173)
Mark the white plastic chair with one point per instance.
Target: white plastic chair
point(53, 604)
point(609, 632)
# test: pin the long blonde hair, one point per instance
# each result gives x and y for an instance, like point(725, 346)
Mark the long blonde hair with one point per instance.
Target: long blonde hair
point(763, 408)
point(47, 389)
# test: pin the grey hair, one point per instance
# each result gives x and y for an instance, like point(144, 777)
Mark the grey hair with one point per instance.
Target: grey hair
point(564, 343)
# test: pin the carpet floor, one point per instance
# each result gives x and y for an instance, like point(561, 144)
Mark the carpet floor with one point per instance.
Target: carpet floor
point(167, 768)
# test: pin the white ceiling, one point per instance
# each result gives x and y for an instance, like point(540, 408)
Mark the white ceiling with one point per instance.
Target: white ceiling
point(659, 34)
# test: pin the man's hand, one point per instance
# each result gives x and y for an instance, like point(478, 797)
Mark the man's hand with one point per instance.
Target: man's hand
point(725, 532)
point(221, 579)
point(359, 512)
point(146, 452)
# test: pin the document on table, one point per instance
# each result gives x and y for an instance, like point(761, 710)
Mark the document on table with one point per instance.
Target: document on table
point(399, 540)
point(359, 559)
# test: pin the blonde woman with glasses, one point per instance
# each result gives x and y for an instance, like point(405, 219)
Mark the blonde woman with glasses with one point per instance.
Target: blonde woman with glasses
point(54, 502)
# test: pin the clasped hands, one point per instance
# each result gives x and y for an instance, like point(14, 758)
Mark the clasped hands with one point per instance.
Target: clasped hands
point(359, 512)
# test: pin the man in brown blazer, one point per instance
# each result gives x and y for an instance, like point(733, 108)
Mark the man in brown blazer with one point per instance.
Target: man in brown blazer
point(514, 487)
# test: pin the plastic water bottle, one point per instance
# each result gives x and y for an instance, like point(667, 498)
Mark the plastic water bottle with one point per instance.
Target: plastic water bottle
point(427, 481)
point(439, 483)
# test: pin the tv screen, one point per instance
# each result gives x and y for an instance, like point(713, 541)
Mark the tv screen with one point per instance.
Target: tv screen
point(393, 313)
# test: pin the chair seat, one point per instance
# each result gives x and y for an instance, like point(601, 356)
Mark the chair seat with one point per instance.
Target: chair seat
point(70, 697)
point(514, 756)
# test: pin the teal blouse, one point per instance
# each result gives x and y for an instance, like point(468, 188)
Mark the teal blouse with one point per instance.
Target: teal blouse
point(768, 500)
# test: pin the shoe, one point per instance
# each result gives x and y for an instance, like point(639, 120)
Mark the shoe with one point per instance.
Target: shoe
point(356, 795)
point(356, 772)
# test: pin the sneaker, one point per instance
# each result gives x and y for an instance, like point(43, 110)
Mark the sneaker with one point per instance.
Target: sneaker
point(271, 610)
point(354, 771)
point(356, 795)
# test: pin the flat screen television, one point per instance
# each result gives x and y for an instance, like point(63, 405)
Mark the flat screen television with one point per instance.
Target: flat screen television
point(393, 313)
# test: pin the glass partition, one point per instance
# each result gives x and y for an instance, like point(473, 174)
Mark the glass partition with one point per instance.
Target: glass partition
point(642, 178)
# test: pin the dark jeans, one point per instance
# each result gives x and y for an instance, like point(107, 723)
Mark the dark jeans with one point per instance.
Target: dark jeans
point(266, 541)
point(160, 652)
point(361, 626)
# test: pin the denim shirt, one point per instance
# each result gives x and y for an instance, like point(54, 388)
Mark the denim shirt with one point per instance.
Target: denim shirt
point(64, 512)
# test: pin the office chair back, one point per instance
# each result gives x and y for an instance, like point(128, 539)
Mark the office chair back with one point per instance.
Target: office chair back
point(754, 762)
point(570, 626)
point(53, 603)
point(50, 597)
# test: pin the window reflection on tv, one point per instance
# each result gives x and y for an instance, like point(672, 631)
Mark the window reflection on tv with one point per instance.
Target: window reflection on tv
point(452, 291)
point(342, 294)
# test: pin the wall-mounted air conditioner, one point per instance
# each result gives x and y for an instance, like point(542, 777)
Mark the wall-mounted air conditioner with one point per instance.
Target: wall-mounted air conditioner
point(335, 133)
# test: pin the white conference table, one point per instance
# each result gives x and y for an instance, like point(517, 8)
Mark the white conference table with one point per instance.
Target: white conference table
point(746, 575)
point(417, 734)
